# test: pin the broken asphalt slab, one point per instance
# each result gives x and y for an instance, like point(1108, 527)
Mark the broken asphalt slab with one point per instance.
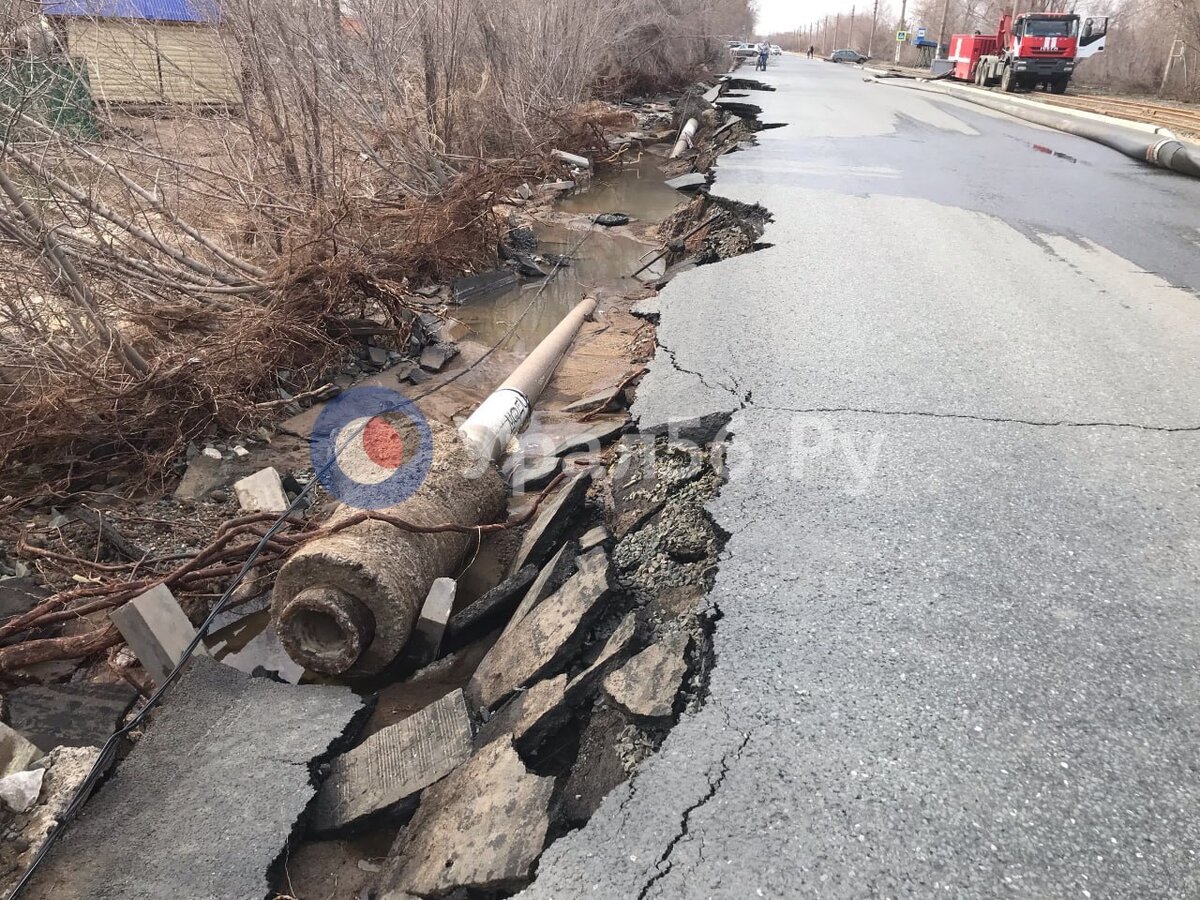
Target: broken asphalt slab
point(540, 643)
point(648, 684)
point(482, 829)
point(69, 715)
point(396, 763)
point(206, 800)
point(551, 521)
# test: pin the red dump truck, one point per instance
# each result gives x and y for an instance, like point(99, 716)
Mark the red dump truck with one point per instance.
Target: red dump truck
point(1031, 50)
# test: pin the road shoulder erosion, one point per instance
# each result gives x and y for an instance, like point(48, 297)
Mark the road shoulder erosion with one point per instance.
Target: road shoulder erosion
point(955, 651)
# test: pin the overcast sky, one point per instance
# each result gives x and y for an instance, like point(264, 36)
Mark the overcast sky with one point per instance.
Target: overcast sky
point(789, 15)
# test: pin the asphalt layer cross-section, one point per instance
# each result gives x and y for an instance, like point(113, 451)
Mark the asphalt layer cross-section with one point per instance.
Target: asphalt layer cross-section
point(960, 606)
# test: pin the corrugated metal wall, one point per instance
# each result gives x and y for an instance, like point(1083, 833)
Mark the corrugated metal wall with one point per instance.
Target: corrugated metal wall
point(144, 62)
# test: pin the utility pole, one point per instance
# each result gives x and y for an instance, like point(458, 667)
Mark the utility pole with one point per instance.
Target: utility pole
point(943, 44)
point(900, 27)
point(850, 37)
point(871, 39)
point(837, 31)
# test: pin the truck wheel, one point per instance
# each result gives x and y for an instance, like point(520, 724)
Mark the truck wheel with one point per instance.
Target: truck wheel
point(1059, 85)
point(981, 75)
point(1008, 83)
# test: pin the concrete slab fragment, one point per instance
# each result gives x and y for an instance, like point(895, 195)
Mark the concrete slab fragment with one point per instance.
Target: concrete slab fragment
point(691, 182)
point(548, 580)
point(529, 716)
point(69, 715)
point(431, 623)
point(648, 684)
point(489, 612)
point(224, 767)
point(551, 521)
point(396, 763)
point(157, 631)
point(540, 644)
point(435, 357)
point(261, 492)
point(481, 829)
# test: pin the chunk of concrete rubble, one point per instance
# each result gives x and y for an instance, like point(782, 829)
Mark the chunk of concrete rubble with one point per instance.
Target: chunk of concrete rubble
point(69, 715)
point(435, 356)
point(20, 790)
point(490, 611)
point(549, 579)
point(157, 630)
point(541, 643)
point(426, 639)
point(529, 717)
point(65, 773)
point(481, 829)
point(203, 476)
point(261, 492)
point(225, 763)
point(396, 763)
point(16, 753)
point(648, 684)
point(552, 520)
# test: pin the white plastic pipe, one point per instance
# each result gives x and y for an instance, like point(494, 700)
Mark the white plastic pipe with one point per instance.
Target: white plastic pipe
point(685, 138)
point(505, 412)
point(579, 162)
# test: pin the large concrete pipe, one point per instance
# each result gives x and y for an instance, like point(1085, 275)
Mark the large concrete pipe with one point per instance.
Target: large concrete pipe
point(579, 162)
point(690, 127)
point(1164, 151)
point(504, 413)
point(346, 604)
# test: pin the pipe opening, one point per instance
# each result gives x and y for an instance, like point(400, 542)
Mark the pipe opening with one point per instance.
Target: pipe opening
point(318, 632)
point(326, 630)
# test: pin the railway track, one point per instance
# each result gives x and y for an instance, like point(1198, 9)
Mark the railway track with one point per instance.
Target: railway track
point(1183, 121)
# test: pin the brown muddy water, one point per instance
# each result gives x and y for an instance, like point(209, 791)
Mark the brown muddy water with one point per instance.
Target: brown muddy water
point(604, 261)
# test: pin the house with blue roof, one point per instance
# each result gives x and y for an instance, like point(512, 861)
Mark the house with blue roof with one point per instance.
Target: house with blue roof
point(149, 51)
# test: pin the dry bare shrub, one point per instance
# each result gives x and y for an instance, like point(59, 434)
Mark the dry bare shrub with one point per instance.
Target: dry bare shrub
point(161, 264)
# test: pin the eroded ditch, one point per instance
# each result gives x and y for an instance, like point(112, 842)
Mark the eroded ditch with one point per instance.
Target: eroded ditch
point(641, 659)
point(612, 682)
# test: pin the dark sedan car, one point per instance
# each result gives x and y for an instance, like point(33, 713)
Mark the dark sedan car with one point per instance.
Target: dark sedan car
point(850, 56)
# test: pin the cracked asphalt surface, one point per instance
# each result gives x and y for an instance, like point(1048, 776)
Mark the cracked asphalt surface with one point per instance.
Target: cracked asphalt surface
point(957, 653)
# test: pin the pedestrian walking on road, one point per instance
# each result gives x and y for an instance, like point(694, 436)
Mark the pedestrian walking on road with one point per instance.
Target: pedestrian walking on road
point(811, 48)
point(764, 53)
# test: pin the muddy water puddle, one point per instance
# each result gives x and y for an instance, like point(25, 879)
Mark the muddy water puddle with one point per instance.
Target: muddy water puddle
point(604, 260)
point(636, 190)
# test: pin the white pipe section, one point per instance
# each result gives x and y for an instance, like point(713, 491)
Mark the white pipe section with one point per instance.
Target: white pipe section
point(505, 412)
point(685, 138)
point(579, 162)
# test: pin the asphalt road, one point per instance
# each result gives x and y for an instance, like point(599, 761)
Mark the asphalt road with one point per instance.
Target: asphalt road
point(958, 648)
